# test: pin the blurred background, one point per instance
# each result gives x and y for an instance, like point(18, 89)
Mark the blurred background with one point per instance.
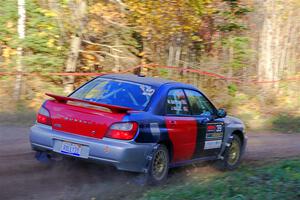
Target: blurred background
point(244, 54)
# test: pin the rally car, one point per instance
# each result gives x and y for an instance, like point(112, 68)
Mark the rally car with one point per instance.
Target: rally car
point(138, 124)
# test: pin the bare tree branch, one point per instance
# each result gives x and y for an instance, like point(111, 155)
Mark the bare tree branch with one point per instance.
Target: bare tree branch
point(106, 53)
point(114, 23)
point(104, 45)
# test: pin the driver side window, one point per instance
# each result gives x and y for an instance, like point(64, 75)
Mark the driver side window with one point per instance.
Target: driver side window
point(177, 103)
point(199, 104)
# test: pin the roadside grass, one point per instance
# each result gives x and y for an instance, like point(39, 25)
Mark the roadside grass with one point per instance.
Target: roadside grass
point(17, 115)
point(286, 123)
point(280, 180)
point(20, 118)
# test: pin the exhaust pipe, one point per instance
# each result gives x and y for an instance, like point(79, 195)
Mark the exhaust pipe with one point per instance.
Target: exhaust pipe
point(43, 157)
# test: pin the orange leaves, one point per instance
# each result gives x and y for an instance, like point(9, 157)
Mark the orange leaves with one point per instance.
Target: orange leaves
point(164, 20)
point(104, 15)
point(109, 11)
point(95, 26)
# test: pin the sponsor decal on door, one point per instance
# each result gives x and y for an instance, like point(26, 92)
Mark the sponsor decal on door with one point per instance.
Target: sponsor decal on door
point(214, 135)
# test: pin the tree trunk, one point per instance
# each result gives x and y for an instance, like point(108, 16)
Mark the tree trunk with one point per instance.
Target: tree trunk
point(75, 46)
point(284, 48)
point(177, 56)
point(21, 33)
point(117, 66)
point(276, 45)
point(71, 63)
point(170, 61)
point(186, 58)
point(171, 55)
point(278, 40)
point(295, 38)
point(264, 63)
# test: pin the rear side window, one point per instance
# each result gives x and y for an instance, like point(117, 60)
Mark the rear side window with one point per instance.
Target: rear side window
point(199, 104)
point(116, 92)
point(177, 103)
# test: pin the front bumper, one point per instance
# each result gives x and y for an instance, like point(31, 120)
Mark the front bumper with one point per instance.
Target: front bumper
point(124, 155)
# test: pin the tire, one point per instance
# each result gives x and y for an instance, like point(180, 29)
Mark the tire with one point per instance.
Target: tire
point(159, 166)
point(232, 155)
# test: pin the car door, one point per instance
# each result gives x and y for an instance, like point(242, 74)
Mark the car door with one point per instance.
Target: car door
point(181, 126)
point(210, 130)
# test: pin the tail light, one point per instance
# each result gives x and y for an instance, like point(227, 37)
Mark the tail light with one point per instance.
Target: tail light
point(122, 130)
point(43, 116)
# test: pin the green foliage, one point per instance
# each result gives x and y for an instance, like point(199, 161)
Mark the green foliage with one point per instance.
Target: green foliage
point(200, 6)
point(44, 52)
point(231, 26)
point(8, 21)
point(242, 11)
point(41, 44)
point(286, 123)
point(233, 17)
point(277, 181)
point(44, 63)
point(232, 89)
point(239, 46)
point(8, 33)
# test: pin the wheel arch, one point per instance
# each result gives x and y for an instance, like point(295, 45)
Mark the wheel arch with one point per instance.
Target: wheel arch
point(169, 146)
point(240, 134)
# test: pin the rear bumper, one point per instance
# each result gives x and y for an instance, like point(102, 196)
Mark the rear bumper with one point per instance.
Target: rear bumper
point(124, 155)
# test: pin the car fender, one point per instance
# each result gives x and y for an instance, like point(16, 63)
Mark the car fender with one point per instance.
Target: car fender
point(233, 125)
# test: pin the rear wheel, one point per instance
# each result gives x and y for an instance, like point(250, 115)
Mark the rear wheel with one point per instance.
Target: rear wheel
point(232, 155)
point(159, 165)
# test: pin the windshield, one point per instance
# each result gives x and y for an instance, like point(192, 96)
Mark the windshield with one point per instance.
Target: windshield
point(116, 92)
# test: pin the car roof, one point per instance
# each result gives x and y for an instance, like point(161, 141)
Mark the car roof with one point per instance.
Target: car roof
point(156, 82)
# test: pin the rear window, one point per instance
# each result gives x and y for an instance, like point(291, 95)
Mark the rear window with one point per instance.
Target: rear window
point(116, 92)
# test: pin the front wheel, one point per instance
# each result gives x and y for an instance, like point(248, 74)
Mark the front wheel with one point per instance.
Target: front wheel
point(159, 165)
point(232, 155)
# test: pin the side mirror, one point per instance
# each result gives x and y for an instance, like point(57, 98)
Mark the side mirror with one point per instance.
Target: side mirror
point(221, 113)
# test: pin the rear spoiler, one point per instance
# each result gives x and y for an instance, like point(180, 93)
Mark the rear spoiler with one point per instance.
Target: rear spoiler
point(113, 108)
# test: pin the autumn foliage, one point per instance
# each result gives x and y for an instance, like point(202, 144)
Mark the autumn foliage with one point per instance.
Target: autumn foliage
point(235, 39)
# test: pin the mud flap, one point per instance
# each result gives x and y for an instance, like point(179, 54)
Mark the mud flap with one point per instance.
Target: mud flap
point(149, 159)
point(227, 145)
point(143, 178)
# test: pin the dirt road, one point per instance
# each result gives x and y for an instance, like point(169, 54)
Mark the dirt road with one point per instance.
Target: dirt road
point(22, 177)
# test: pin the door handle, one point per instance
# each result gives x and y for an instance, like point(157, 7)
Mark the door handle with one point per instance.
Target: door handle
point(173, 122)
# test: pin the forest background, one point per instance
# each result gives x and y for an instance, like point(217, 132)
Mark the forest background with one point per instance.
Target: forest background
point(244, 54)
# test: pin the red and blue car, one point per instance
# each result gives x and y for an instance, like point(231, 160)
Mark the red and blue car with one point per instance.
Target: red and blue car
point(138, 124)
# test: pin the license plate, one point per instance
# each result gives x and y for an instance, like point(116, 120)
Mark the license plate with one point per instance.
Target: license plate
point(71, 148)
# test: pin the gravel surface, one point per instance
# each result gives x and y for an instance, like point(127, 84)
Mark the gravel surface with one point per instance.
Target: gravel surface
point(22, 177)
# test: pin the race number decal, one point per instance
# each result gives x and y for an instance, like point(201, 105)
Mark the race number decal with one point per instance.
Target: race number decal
point(214, 131)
